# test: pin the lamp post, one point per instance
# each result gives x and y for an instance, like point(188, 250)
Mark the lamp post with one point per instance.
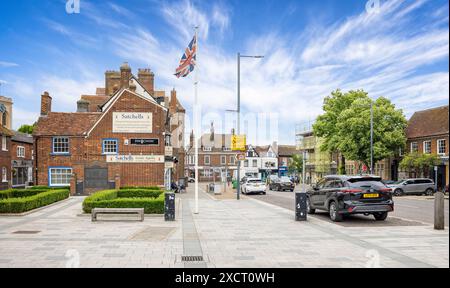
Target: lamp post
point(238, 110)
point(371, 137)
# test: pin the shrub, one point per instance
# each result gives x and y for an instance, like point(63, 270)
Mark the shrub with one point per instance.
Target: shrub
point(17, 193)
point(151, 200)
point(23, 204)
point(142, 188)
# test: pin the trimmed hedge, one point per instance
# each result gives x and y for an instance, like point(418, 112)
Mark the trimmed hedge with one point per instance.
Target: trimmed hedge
point(142, 188)
point(40, 199)
point(151, 200)
point(17, 193)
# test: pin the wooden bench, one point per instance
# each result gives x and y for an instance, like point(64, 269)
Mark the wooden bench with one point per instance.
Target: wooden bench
point(117, 211)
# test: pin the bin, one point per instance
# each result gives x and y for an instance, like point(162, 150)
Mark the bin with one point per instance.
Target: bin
point(234, 184)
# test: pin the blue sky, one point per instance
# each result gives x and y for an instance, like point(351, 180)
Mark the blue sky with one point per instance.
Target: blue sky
point(399, 51)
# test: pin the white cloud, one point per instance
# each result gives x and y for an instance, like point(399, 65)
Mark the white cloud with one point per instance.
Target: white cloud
point(8, 64)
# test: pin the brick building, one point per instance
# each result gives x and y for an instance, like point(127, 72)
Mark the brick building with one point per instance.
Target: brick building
point(215, 157)
point(428, 132)
point(22, 154)
point(285, 153)
point(5, 135)
point(119, 137)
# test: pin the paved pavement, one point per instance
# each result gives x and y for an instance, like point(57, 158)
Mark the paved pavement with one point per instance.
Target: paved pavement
point(226, 233)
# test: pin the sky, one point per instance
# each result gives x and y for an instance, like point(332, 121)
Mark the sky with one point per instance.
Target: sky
point(391, 48)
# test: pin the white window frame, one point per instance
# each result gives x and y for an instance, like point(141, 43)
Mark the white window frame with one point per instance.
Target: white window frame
point(209, 160)
point(20, 152)
point(417, 147)
point(424, 147)
point(55, 141)
point(109, 143)
point(223, 160)
point(439, 141)
point(63, 176)
point(4, 143)
point(4, 175)
point(233, 160)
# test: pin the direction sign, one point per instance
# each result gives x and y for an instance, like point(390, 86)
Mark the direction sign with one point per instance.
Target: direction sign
point(238, 142)
point(240, 156)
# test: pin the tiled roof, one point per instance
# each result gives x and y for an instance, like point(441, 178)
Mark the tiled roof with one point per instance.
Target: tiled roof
point(287, 150)
point(5, 131)
point(65, 124)
point(22, 137)
point(431, 122)
point(95, 101)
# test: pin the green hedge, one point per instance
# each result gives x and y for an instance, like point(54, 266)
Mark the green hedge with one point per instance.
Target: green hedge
point(151, 201)
point(23, 204)
point(142, 188)
point(17, 193)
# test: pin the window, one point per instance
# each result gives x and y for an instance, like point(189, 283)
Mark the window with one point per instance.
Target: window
point(246, 163)
point(427, 147)
point(4, 147)
point(61, 145)
point(414, 147)
point(223, 160)
point(110, 146)
point(4, 174)
point(59, 176)
point(255, 163)
point(207, 160)
point(20, 152)
point(441, 144)
point(207, 173)
point(232, 160)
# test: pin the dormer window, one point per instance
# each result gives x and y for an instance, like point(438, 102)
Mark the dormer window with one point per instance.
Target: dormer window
point(226, 149)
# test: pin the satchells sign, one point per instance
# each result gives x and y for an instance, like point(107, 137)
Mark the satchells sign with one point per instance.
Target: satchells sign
point(135, 158)
point(125, 122)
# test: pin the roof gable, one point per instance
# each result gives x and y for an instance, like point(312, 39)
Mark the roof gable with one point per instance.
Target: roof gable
point(431, 122)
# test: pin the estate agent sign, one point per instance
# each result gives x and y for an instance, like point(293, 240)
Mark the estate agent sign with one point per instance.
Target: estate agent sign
point(126, 122)
point(135, 158)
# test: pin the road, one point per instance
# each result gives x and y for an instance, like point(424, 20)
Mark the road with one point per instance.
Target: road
point(409, 210)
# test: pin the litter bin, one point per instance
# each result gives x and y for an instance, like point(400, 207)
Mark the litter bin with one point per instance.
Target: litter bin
point(169, 206)
point(234, 184)
point(211, 187)
point(300, 207)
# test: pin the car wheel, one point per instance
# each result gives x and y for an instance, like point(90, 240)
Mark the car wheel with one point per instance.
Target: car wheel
point(429, 192)
point(398, 192)
point(334, 215)
point(309, 210)
point(380, 216)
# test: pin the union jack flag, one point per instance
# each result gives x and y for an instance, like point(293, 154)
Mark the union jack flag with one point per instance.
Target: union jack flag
point(188, 61)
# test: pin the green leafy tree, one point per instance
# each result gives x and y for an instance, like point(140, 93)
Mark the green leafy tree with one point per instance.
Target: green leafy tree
point(326, 124)
point(420, 164)
point(296, 164)
point(353, 130)
point(27, 128)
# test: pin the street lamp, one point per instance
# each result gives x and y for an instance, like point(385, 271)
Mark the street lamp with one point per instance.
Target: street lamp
point(238, 110)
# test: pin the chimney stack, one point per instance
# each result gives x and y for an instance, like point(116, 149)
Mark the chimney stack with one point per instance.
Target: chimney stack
point(125, 75)
point(112, 82)
point(82, 105)
point(147, 79)
point(173, 102)
point(46, 104)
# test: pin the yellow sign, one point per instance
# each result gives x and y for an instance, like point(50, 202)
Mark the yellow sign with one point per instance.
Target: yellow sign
point(238, 142)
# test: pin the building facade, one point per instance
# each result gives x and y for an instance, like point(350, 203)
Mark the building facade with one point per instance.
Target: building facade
point(125, 141)
point(428, 133)
point(285, 154)
point(22, 156)
point(5, 135)
point(269, 160)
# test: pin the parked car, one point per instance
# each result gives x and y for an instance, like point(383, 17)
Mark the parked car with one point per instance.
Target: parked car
point(282, 184)
point(388, 182)
point(253, 185)
point(416, 186)
point(345, 195)
point(191, 180)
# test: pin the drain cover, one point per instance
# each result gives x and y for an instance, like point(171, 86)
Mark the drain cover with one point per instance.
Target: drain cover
point(191, 258)
point(26, 232)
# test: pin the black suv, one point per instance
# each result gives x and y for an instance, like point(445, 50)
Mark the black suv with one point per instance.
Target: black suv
point(344, 195)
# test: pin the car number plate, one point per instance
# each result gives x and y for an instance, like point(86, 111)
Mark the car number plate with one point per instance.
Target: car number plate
point(371, 195)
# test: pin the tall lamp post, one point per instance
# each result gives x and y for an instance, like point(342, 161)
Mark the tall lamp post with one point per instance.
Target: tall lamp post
point(238, 110)
point(371, 137)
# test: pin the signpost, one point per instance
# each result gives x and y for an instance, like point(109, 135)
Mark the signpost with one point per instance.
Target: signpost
point(238, 142)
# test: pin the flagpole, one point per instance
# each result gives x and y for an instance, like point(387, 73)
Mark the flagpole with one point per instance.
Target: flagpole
point(196, 139)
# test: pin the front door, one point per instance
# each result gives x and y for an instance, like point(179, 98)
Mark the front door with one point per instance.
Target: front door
point(95, 179)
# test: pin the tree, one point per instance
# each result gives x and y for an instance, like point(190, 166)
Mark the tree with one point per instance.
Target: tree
point(420, 164)
point(353, 130)
point(326, 124)
point(296, 164)
point(28, 129)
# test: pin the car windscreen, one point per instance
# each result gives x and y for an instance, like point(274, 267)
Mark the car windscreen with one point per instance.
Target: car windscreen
point(285, 179)
point(368, 184)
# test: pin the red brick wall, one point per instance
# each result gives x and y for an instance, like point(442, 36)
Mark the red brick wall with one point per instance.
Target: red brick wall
point(433, 144)
point(5, 161)
point(28, 150)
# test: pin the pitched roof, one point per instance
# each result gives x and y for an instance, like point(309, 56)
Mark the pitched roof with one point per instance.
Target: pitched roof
point(95, 101)
point(22, 137)
point(431, 122)
point(65, 124)
point(287, 150)
point(5, 131)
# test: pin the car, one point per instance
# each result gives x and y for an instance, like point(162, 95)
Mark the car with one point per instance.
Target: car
point(342, 195)
point(282, 184)
point(388, 182)
point(253, 185)
point(191, 180)
point(417, 186)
